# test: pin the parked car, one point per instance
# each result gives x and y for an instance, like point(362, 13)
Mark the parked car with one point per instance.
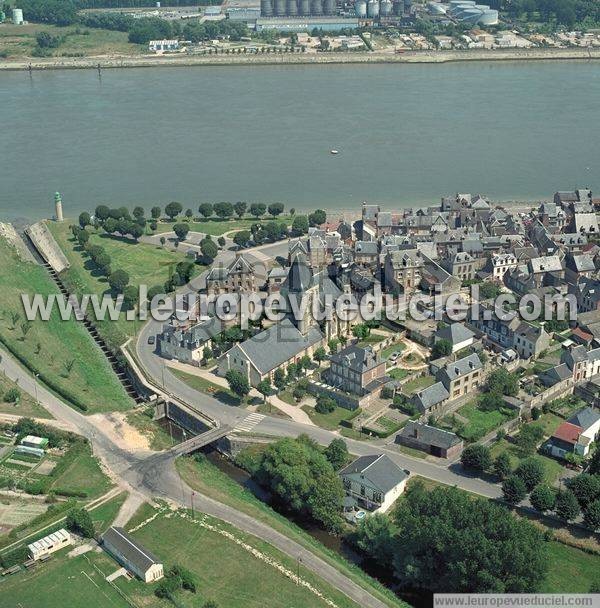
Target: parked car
point(394, 357)
point(152, 340)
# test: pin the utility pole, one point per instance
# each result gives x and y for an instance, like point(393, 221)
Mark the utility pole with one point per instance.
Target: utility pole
point(298, 575)
point(35, 386)
point(192, 501)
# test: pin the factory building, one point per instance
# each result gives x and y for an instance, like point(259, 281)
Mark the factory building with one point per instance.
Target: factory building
point(299, 24)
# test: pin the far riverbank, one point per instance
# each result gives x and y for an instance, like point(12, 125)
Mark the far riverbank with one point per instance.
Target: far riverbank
point(437, 57)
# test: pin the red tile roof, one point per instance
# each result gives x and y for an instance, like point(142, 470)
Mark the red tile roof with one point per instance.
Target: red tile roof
point(582, 334)
point(568, 432)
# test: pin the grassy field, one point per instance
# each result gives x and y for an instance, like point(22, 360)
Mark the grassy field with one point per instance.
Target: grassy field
point(104, 515)
point(145, 264)
point(205, 386)
point(238, 578)
point(329, 421)
point(208, 479)
point(480, 422)
point(51, 347)
point(398, 373)
point(218, 227)
point(25, 406)
point(18, 41)
point(394, 348)
point(570, 570)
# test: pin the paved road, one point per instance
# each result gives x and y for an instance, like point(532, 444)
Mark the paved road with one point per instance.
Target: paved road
point(154, 475)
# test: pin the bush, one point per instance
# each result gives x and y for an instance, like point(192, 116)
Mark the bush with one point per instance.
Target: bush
point(476, 457)
point(531, 471)
point(325, 405)
point(12, 395)
point(514, 490)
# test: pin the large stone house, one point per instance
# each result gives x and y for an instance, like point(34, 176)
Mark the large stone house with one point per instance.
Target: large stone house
point(241, 276)
point(187, 344)
point(356, 370)
point(403, 270)
point(462, 376)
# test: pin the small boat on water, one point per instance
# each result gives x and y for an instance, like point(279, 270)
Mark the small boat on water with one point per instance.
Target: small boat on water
point(334, 152)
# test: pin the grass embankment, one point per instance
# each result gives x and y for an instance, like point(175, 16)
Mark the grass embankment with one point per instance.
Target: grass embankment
point(26, 405)
point(207, 479)
point(145, 264)
point(218, 227)
point(206, 386)
point(19, 41)
point(61, 352)
point(238, 578)
point(158, 438)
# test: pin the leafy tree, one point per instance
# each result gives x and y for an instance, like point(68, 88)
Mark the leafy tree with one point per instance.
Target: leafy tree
point(333, 345)
point(238, 383)
point(488, 291)
point(264, 388)
point(504, 382)
point(102, 212)
point(83, 237)
point(257, 209)
point(221, 241)
point(224, 210)
point(130, 297)
point(531, 471)
point(528, 438)
point(206, 210)
point(80, 522)
point(325, 405)
point(449, 542)
point(240, 208)
point(242, 238)
point(163, 240)
point(442, 348)
point(543, 498)
point(181, 230)
point(275, 209)
point(320, 354)
point(209, 249)
point(337, 453)
point(491, 401)
point(136, 231)
point(279, 378)
point(317, 217)
point(586, 488)
point(138, 212)
point(84, 219)
point(155, 213)
point(514, 490)
point(502, 466)
point(477, 457)
point(361, 331)
point(374, 536)
point(591, 515)
point(299, 393)
point(173, 209)
point(299, 225)
point(567, 507)
point(594, 466)
point(118, 280)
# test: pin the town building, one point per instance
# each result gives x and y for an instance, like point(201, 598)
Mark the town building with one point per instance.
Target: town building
point(462, 376)
point(576, 435)
point(132, 555)
point(188, 345)
point(431, 399)
point(430, 439)
point(374, 481)
point(357, 370)
point(457, 334)
point(56, 541)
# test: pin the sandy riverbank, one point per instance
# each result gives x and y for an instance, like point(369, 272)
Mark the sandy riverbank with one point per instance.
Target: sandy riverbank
point(58, 63)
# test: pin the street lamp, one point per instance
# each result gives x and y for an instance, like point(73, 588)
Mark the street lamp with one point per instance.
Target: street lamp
point(35, 386)
point(298, 575)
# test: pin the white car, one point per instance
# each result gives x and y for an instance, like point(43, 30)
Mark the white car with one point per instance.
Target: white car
point(394, 357)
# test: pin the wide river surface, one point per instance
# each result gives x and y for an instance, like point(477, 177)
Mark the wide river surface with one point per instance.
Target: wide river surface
point(406, 134)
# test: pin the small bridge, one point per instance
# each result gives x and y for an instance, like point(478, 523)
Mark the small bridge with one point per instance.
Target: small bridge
point(199, 441)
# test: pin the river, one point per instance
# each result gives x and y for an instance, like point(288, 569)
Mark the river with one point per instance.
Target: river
point(407, 134)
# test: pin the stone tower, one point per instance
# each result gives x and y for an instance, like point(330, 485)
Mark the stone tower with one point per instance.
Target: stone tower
point(58, 207)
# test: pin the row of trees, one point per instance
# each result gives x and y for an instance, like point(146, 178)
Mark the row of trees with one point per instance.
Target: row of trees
point(563, 12)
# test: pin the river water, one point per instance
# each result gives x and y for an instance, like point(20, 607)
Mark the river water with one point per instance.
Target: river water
point(406, 134)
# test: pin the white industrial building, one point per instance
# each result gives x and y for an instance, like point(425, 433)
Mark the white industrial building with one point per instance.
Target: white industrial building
point(49, 544)
point(159, 46)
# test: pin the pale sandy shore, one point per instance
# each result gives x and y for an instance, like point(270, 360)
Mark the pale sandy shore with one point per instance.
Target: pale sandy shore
point(58, 63)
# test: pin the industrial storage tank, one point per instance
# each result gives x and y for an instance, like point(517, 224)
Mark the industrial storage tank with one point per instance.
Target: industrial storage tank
point(489, 17)
point(373, 9)
point(266, 8)
point(17, 16)
point(435, 8)
point(329, 7)
point(360, 8)
point(304, 7)
point(279, 8)
point(385, 8)
point(398, 8)
point(316, 7)
point(291, 8)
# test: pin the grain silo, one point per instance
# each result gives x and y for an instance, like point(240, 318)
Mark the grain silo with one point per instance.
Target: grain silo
point(398, 8)
point(373, 9)
point(329, 7)
point(266, 8)
point(360, 8)
point(279, 8)
point(291, 8)
point(385, 8)
point(17, 16)
point(304, 7)
point(316, 7)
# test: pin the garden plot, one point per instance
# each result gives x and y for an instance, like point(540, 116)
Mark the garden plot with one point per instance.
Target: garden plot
point(13, 513)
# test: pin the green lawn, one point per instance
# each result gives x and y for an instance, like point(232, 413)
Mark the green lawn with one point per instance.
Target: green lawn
point(205, 386)
point(412, 386)
point(218, 227)
point(329, 421)
point(371, 339)
point(208, 479)
point(570, 570)
point(238, 578)
point(394, 348)
point(399, 373)
point(480, 422)
point(104, 515)
point(145, 264)
point(50, 347)
point(25, 406)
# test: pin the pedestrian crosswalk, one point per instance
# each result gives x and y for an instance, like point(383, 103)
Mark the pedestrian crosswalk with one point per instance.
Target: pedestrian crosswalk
point(249, 422)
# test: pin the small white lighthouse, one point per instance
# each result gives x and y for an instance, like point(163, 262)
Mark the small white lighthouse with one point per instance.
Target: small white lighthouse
point(58, 207)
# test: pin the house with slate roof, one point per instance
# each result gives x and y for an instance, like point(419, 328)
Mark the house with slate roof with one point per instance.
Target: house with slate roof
point(430, 439)
point(187, 345)
point(430, 399)
point(374, 482)
point(357, 370)
point(462, 376)
point(457, 334)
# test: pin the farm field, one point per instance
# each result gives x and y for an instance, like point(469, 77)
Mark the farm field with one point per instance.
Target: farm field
point(61, 352)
